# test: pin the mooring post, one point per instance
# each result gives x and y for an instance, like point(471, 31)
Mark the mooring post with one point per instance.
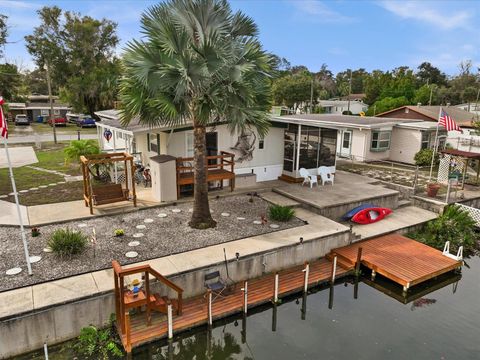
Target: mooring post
point(359, 262)
point(304, 306)
point(306, 270)
point(274, 317)
point(355, 289)
point(334, 269)
point(330, 297)
point(45, 350)
point(170, 321)
point(245, 296)
point(209, 308)
point(373, 275)
point(275, 289)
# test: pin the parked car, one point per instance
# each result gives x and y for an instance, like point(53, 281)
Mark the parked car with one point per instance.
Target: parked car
point(86, 122)
point(58, 121)
point(21, 119)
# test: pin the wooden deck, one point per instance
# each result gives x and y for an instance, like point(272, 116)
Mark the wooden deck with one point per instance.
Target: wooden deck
point(260, 291)
point(400, 259)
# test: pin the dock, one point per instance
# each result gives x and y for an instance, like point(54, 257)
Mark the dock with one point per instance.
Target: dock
point(405, 261)
point(195, 311)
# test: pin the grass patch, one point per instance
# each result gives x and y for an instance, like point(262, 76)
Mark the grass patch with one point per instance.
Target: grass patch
point(53, 194)
point(25, 178)
point(66, 243)
point(40, 128)
point(281, 213)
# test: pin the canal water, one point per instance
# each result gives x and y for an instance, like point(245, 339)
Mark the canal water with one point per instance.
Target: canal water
point(442, 324)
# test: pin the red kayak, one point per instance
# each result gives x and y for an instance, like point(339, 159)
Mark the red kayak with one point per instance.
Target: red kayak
point(370, 215)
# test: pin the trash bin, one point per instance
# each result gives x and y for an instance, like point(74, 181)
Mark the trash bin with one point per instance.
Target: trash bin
point(39, 119)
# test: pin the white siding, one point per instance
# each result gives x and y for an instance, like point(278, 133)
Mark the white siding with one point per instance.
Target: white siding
point(405, 144)
point(374, 155)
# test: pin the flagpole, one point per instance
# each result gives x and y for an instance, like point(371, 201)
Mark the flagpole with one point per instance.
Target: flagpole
point(19, 213)
point(435, 144)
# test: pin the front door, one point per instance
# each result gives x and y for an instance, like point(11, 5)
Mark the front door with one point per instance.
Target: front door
point(346, 144)
point(212, 146)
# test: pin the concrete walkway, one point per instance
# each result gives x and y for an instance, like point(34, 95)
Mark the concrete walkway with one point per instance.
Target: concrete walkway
point(8, 214)
point(70, 289)
point(400, 219)
point(19, 156)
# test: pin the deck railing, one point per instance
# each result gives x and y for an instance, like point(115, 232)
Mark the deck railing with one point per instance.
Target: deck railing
point(186, 164)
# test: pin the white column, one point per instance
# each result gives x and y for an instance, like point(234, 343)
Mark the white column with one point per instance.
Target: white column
point(115, 150)
point(298, 149)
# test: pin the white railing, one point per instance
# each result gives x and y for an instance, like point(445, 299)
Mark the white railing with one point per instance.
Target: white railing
point(446, 252)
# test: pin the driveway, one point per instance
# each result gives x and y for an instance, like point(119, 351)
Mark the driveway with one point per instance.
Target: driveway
point(19, 156)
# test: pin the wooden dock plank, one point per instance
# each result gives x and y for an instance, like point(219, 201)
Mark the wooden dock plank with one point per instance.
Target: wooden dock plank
point(403, 260)
point(260, 291)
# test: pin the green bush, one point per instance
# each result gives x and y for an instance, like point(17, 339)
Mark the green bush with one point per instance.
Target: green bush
point(280, 213)
point(96, 343)
point(454, 225)
point(424, 157)
point(66, 242)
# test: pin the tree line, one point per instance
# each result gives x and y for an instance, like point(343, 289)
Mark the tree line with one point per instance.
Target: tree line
point(384, 90)
point(85, 71)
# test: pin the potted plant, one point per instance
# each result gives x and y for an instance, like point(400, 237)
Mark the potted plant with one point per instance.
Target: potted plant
point(35, 231)
point(432, 189)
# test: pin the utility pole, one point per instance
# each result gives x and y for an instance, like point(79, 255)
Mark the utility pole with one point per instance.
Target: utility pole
point(49, 84)
point(311, 97)
point(431, 93)
point(349, 92)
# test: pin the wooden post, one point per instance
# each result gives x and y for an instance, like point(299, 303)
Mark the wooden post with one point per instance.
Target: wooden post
point(170, 321)
point(128, 345)
point(304, 306)
point(359, 261)
point(117, 299)
point(85, 191)
point(147, 294)
point(305, 279)
point(180, 304)
point(274, 317)
point(275, 289)
point(334, 269)
point(122, 307)
point(330, 297)
point(209, 307)
point(245, 296)
point(132, 178)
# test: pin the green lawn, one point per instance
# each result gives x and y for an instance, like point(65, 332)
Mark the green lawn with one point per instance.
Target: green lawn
point(40, 128)
point(52, 194)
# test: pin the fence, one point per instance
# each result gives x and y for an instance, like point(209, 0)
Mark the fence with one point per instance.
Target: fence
point(473, 212)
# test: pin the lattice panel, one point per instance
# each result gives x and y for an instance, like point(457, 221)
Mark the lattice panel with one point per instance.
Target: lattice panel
point(474, 212)
point(448, 164)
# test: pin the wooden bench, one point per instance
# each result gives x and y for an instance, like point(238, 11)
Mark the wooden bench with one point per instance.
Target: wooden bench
point(107, 194)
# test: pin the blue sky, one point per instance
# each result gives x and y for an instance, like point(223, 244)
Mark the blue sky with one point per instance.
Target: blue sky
point(343, 34)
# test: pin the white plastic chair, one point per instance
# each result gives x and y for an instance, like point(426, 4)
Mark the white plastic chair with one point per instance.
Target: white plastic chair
point(308, 178)
point(325, 174)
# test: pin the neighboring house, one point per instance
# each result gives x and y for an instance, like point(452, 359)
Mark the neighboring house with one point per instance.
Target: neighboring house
point(369, 138)
point(474, 108)
point(339, 106)
point(38, 105)
point(467, 141)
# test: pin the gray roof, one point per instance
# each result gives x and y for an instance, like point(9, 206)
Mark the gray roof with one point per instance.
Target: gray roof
point(420, 125)
point(39, 105)
point(339, 121)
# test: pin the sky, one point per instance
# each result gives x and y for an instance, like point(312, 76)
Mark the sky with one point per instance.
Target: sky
point(340, 33)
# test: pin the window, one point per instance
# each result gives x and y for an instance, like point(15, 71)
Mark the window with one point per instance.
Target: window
point(261, 144)
point(380, 140)
point(44, 112)
point(154, 143)
point(425, 140)
point(189, 144)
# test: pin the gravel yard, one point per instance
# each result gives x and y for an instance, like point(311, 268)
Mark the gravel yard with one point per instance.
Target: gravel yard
point(164, 231)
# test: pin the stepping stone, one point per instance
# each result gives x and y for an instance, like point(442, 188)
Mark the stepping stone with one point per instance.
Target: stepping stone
point(47, 250)
point(257, 222)
point(162, 215)
point(211, 211)
point(33, 189)
point(225, 214)
point(141, 227)
point(3, 196)
point(176, 211)
point(138, 235)
point(82, 225)
point(34, 259)
point(11, 194)
point(190, 210)
point(52, 184)
point(61, 182)
point(133, 243)
point(13, 271)
point(42, 186)
point(148, 221)
point(240, 218)
point(274, 226)
point(131, 254)
point(23, 191)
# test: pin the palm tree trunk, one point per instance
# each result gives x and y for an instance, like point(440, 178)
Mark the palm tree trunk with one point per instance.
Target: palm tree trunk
point(201, 217)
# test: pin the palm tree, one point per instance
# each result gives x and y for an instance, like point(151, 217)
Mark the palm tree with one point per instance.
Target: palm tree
point(198, 64)
point(78, 148)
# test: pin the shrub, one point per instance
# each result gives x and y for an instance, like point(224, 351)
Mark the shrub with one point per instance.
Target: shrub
point(96, 343)
point(424, 157)
point(119, 232)
point(454, 225)
point(66, 242)
point(280, 213)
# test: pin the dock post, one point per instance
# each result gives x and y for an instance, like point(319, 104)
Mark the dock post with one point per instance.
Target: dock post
point(330, 297)
point(245, 296)
point(274, 317)
point(373, 275)
point(307, 272)
point(304, 306)
point(128, 346)
point(334, 270)
point(355, 289)
point(275, 290)
point(359, 262)
point(45, 350)
point(170, 321)
point(209, 297)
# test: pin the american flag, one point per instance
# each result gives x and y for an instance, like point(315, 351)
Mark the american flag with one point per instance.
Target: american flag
point(3, 121)
point(447, 122)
